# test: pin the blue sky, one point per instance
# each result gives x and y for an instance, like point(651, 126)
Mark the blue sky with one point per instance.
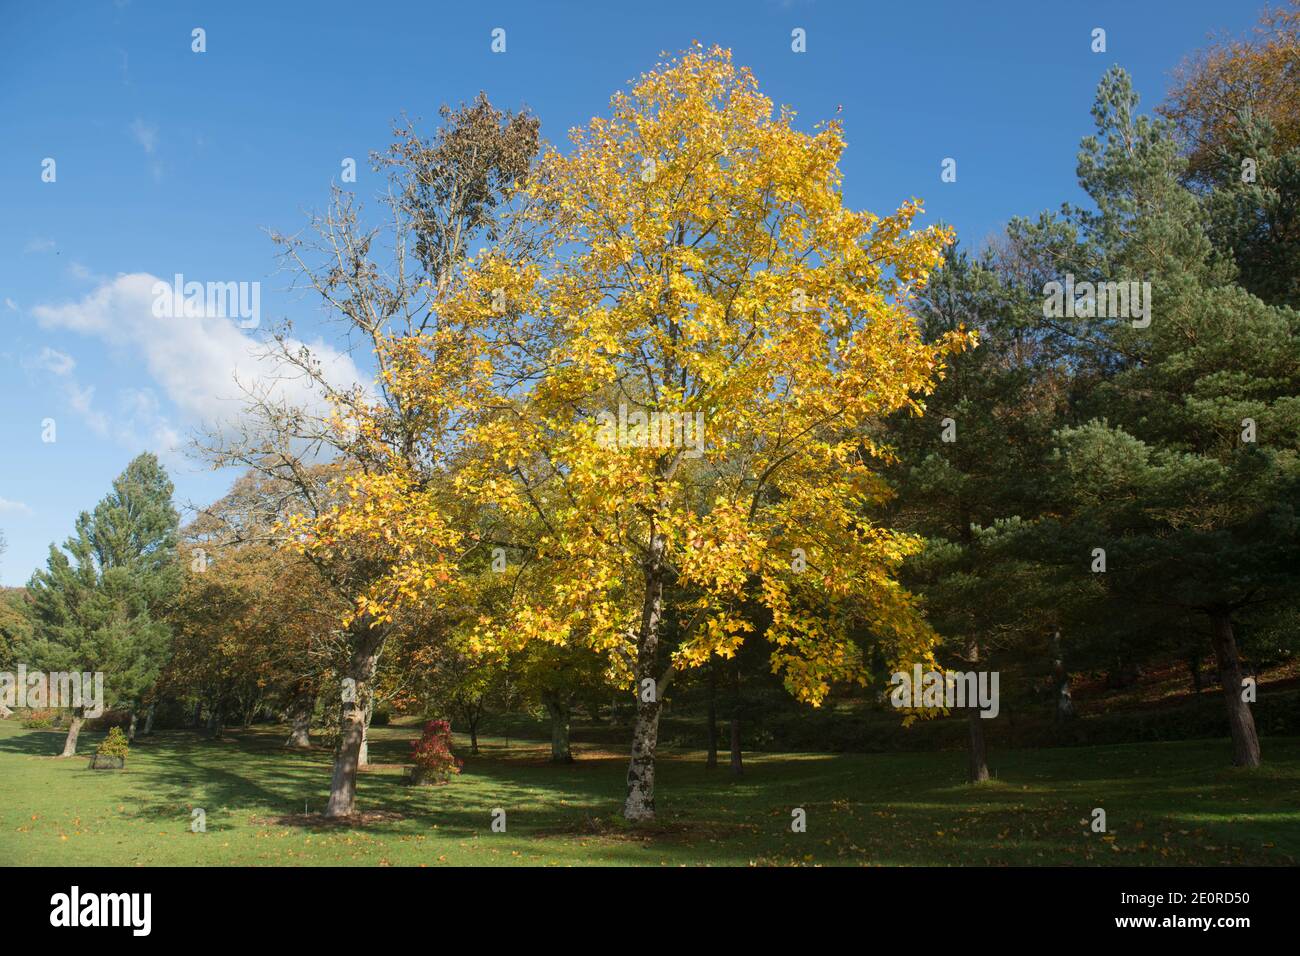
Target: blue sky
point(170, 161)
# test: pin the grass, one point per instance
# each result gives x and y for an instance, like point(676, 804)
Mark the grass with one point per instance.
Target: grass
point(1166, 803)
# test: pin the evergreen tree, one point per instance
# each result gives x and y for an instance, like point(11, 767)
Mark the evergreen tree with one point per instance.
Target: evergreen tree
point(1254, 212)
point(101, 604)
point(969, 471)
point(1187, 476)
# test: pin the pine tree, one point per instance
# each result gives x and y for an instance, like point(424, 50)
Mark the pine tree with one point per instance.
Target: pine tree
point(968, 472)
point(1254, 210)
point(101, 603)
point(1187, 475)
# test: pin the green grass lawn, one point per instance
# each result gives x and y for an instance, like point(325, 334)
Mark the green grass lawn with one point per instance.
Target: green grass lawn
point(1168, 803)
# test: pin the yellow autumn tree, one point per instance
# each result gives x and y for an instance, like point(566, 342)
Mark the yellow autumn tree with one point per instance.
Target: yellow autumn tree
point(689, 346)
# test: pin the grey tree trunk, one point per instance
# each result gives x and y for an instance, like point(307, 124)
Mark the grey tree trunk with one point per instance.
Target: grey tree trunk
point(148, 719)
point(1241, 722)
point(304, 704)
point(196, 720)
point(366, 643)
point(1064, 702)
point(74, 731)
point(561, 714)
point(130, 728)
point(363, 755)
point(640, 803)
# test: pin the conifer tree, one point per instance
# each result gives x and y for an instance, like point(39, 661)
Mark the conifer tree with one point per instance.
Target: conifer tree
point(1187, 473)
point(102, 601)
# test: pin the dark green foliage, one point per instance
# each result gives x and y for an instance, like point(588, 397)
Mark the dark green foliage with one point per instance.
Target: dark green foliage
point(102, 601)
point(1170, 446)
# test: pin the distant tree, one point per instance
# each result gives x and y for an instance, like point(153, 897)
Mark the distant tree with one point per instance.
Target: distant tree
point(15, 625)
point(447, 678)
point(1221, 91)
point(561, 678)
point(15, 631)
point(254, 621)
point(1236, 112)
point(471, 692)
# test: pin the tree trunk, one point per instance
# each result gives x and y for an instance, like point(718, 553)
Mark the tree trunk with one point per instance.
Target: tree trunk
point(640, 802)
point(1064, 702)
point(712, 730)
point(737, 766)
point(304, 704)
point(1194, 668)
point(473, 737)
point(74, 731)
point(148, 720)
point(217, 721)
point(979, 760)
point(366, 643)
point(130, 728)
point(197, 720)
point(560, 717)
point(978, 771)
point(363, 755)
point(1241, 723)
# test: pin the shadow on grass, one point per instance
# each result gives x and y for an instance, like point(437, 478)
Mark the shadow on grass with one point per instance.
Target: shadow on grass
point(1173, 803)
point(45, 743)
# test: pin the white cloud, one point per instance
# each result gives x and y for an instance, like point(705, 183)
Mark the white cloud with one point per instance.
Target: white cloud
point(202, 366)
point(52, 360)
point(13, 507)
point(82, 274)
point(39, 245)
point(82, 401)
point(146, 134)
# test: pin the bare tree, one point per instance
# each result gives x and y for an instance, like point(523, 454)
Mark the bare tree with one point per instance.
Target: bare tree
point(382, 283)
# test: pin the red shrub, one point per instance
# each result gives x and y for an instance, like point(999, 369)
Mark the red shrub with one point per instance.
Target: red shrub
point(432, 756)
